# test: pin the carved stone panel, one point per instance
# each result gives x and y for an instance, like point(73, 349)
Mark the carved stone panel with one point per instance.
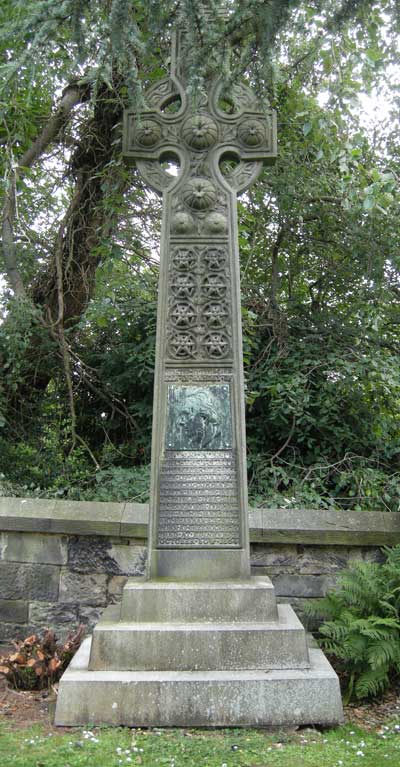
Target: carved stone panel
point(199, 312)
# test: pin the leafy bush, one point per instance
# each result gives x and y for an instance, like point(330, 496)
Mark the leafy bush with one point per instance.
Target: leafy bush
point(362, 625)
point(39, 662)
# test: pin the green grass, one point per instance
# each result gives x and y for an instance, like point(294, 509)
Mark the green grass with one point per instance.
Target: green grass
point(343, 747)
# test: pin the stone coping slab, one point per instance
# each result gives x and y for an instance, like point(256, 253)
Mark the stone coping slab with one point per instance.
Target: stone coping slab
point(130, 520)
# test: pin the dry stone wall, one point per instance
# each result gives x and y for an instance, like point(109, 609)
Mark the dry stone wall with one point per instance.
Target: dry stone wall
point(61, 562)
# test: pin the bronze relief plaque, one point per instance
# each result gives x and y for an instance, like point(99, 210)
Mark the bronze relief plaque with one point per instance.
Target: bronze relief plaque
point(199, 417)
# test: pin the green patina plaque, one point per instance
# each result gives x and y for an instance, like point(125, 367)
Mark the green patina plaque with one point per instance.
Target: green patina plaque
point(199, 418)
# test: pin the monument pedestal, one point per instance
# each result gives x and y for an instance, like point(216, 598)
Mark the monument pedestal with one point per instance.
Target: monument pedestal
point(195, 655)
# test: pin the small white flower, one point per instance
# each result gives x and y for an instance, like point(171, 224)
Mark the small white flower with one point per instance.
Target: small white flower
point(352, 732)
point(128, 759)
point(340, 761)
point(359, 753)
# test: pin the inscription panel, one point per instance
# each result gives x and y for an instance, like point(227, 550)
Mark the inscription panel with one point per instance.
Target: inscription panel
point(199, 500)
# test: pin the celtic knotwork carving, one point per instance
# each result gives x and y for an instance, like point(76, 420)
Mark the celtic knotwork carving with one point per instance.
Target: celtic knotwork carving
point(184, 259)
point(216, 314)
point(199, 312)
point(214, 286)
point(199, 194)
point(252, 133)
point(182, 345)
point(183, 314)
point(214, 258)
point(199, 132)
point(183, 286)
point(216, 345)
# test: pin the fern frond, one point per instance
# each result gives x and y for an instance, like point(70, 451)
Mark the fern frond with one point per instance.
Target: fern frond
point(371, 683)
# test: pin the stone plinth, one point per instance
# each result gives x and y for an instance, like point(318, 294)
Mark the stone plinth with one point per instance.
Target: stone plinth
point(199, 654)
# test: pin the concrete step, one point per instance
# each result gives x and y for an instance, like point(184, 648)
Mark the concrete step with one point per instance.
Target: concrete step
point(199, 699)
point(209, 646)
point(155, 601)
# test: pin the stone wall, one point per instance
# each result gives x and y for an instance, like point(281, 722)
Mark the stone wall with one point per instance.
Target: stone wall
point(62, 562)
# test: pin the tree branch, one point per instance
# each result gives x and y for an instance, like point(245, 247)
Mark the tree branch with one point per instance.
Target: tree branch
point(72, 95)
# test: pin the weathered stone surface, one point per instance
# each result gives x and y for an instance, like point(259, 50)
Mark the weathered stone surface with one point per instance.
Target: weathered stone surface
point(54, 614)
point(34, 547)
point(163, 646)
point(135, 520)
point(115, 587)
point(305, 586)
point(131, 559)
point(300, 606)
point(89, 616)
point(13, 610)
point(10, 631)
point(97, 554)
point(87, 517)
point(199, 699)
point(85, 588)
point(91, 554)
point(303, 526)
point(26, 514)
point(29, 581)
point(191, 602)
point(364, 528)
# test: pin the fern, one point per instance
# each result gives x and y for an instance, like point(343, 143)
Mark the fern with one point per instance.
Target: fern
point(361, 629)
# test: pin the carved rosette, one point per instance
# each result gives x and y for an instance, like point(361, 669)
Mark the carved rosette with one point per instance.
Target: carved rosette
point(199, 132)
point(199, 322)
point(148, 133)
point(199, 194)
point(252, 133)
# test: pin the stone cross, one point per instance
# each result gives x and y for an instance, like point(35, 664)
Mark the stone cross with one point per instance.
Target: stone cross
point(198, 505)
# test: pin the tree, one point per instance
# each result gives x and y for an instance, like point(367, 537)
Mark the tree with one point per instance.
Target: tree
point(79, 234)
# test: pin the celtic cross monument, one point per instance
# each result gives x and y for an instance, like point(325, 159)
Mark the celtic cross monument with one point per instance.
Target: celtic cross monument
point(198, 641)
point(198, 512)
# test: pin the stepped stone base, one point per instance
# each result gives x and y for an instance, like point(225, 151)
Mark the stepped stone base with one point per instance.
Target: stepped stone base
point(195, 655)
point(128, 646)
point(199, 699)
point(158, 601)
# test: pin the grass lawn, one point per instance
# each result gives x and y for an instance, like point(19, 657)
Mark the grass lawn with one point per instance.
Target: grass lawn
point(342, 747)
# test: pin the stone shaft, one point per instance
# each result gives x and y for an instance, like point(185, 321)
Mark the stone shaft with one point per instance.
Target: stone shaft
point(199, 487)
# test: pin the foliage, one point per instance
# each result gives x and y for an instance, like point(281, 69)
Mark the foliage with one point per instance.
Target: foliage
point(319, 244)
point(39, 662)
point(361, 628)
